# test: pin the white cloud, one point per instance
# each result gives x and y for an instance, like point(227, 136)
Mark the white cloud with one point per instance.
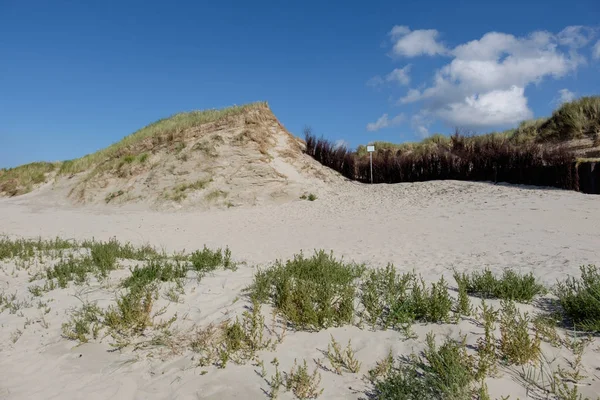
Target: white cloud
point(420, 122)
point(415, 43)
point(493, 108)
point(596, 50)
point(484, 83)
point(565, 96)
point(576, 36)
point(375, 81)
point(385, 122)
point(411, 96)
point(398, 75)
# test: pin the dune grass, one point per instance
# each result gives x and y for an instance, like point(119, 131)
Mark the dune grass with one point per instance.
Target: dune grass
point(22, 179)
point(165, 128)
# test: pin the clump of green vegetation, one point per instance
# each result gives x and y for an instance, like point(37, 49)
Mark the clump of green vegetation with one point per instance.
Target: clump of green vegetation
point(132, 313)
point(309, 197)
point(303, 384)
point(180, 191)
point(130, 316)
point(84, 323)
point(236, 341)
point(207, 260)
point(113, 195)
point(102, 259)
point(486, 345)
point(580, 299)
point(71, 269)
point(106, 253)
point(516, 345)
point(393, 300)
point(510, 286)
point(312, 293)
point(29, 248)
point(342, 359)
point(143, 158)
point(156, 270)
point(447, 372)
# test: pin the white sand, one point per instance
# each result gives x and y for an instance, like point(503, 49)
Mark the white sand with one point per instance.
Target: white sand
point(429, 227)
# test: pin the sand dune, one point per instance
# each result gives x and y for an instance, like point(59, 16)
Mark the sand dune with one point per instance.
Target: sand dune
point(429, 227)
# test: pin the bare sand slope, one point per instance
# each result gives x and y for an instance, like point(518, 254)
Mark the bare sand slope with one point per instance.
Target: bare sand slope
point(429, 227)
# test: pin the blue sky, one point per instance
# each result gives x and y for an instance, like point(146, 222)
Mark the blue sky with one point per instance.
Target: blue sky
point(78, 76)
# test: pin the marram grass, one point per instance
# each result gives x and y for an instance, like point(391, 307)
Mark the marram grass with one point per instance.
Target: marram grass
point(22, 179)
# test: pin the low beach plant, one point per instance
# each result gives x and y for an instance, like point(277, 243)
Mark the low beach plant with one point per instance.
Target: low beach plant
point(580, 299)
point(444, 372)
point(312, 293)
point(510, 286)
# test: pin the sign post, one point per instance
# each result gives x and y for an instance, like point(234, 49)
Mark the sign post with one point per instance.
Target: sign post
point(371, 149)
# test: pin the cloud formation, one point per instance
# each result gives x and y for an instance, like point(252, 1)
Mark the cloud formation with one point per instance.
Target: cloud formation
point(415, 43)
point(565, 96)
point(400, 76)
point(483, 84)
point(596, 50)
point(385, 122)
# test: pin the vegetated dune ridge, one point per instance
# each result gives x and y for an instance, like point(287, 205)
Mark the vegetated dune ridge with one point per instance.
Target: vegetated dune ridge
point(217, 158)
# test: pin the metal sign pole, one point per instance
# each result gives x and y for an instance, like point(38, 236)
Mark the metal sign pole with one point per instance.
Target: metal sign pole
point(371, 149)
point(371, 162)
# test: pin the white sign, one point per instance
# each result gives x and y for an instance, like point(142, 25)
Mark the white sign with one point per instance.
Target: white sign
point(370, 149)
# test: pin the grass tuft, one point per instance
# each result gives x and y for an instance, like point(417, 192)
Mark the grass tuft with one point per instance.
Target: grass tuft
point(510, 286)
point(445, 372)
point(580, 299)
point(396, 301)
point(303, 384)
point(342, 359)
point(312, 293)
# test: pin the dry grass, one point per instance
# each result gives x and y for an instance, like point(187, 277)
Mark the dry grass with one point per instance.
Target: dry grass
point(131, 149)
point(164, 129)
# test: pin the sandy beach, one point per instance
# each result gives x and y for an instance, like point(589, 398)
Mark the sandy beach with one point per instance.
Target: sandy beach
point(431, 228)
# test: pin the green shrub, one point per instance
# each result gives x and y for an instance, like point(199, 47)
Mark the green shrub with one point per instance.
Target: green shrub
point(131, 315)
point(155, 270)
point(207, 260)
point(516, 345)
point(83, 323)
point(447, 372)
point(511, 286)
point(106, 253)
point(71, 269)
point(392, 300)
point(312, 293)
point(580, 299)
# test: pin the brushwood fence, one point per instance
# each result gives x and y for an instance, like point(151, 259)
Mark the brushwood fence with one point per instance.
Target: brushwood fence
point(465, 159)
